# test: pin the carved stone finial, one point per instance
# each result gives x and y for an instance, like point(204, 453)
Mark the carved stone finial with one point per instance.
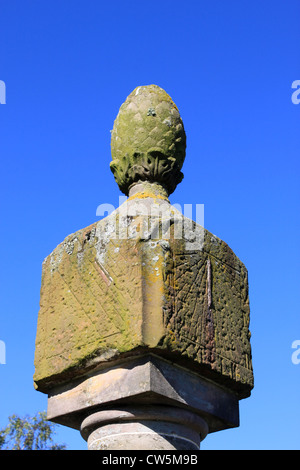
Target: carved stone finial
point(148, 140)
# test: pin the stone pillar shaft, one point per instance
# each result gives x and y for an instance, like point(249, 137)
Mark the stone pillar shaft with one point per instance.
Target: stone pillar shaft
point(144, 428)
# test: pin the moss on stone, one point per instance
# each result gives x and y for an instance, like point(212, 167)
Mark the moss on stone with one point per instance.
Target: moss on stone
point(148, 146)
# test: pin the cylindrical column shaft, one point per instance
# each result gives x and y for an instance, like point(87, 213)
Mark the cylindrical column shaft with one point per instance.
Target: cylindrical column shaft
point(144, 428)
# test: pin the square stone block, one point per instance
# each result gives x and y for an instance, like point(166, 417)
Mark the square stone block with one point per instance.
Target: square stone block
point(144, 279)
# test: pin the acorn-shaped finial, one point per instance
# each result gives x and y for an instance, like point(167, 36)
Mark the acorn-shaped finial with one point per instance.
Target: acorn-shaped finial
point(148, 140)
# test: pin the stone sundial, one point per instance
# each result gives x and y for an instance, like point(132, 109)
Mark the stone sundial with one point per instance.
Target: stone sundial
point(143, 331)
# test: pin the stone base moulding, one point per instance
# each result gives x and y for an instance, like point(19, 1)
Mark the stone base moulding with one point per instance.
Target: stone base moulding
point(144, 403)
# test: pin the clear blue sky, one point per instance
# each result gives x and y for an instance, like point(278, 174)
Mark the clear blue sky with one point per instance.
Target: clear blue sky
point(229, 66)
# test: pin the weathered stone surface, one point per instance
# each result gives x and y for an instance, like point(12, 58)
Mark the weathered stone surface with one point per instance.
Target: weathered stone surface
point(142, 381)
point(143, 332)
point(144, 428)
point(134, 282)
point(148, 140)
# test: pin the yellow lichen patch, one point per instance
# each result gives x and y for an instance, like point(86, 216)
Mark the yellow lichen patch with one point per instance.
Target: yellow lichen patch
point(153, 292)
point(144, 195)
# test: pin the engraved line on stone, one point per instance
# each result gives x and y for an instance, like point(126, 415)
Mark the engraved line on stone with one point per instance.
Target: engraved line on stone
point(116, 298)
point(106, 277)
point(116, 276)
point(196, 300)
point(219, 355)
point(195, 252)
point(97, 300)
point(194, 281)
point(93, 266)
point(62, 277)
point(144, 432)
point(96, 343)
point(208, 283)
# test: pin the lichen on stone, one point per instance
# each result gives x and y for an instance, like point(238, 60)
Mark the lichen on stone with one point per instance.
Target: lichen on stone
point(148, 140)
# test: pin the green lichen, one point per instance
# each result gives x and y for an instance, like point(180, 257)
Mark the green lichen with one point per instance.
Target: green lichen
point(148, 140)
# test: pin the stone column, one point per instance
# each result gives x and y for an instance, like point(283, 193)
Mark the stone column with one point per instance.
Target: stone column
point(143, 428)
point(143, 335)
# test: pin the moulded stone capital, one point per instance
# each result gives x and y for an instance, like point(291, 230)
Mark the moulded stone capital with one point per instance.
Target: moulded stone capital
point(143, 381)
